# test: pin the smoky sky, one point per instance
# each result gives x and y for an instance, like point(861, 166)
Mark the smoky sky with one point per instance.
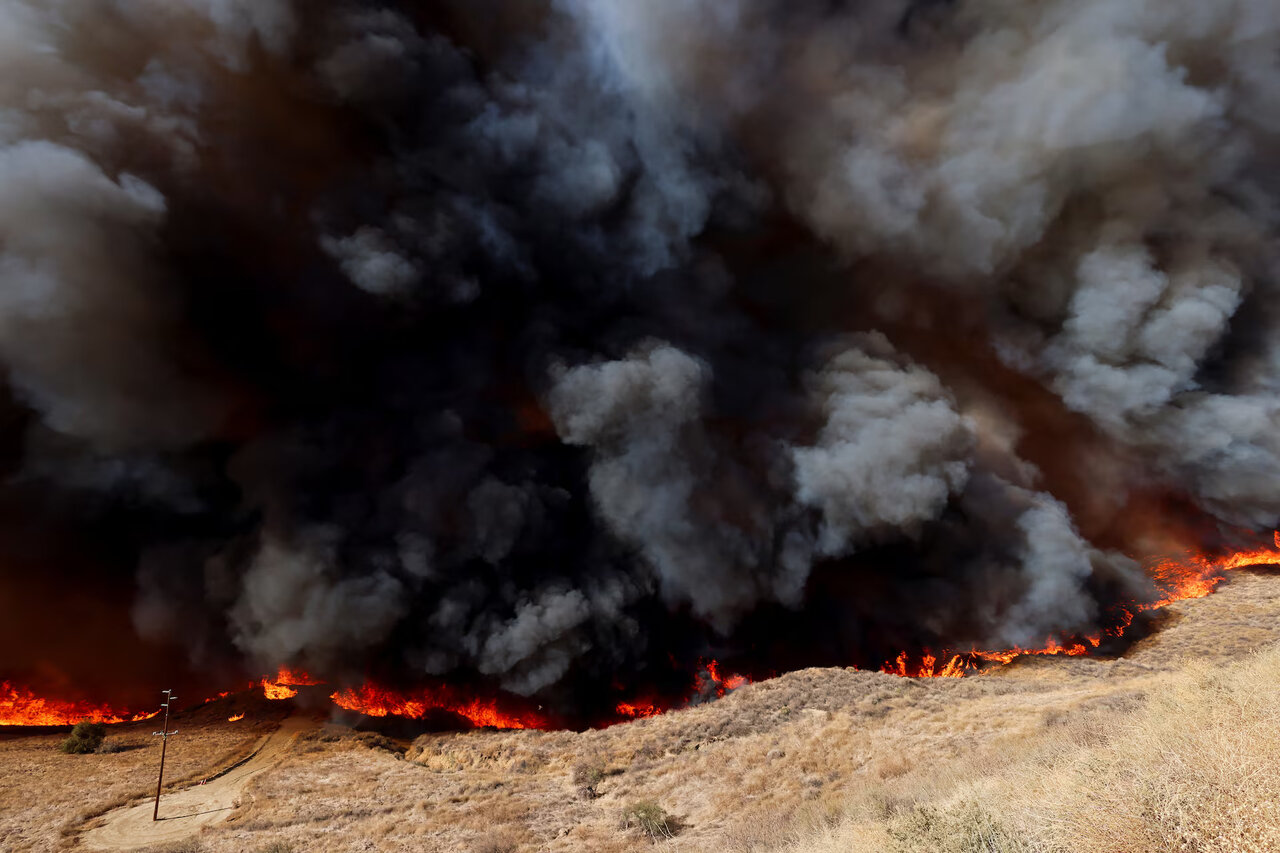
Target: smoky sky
point(558, 344)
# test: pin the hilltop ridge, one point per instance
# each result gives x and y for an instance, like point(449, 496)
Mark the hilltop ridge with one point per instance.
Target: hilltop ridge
point(783, 763)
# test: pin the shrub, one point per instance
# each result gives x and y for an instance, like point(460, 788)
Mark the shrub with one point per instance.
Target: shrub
point(963, 828)
point(587, 775)
point(651, 819)
point(277, 847)
point(191, 845)
point(498, 842)
point(85, 737)
point(376, 741)
point(110, 746)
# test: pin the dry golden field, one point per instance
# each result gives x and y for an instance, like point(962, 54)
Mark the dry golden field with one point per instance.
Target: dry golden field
point(1173, 747)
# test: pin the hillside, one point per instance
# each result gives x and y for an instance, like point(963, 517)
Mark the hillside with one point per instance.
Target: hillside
point(1045, 754)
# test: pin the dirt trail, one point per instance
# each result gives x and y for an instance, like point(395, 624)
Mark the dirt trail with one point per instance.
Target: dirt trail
point(184, 813)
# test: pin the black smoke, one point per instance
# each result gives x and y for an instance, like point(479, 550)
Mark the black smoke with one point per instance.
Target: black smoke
point(554, 346)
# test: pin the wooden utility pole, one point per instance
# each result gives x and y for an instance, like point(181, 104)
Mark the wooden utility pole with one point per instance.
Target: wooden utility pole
point(164, 734)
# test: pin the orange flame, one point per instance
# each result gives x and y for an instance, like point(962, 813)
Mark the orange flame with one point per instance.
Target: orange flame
point(282, 686)
point(723, 684)
point(1191, 575)
point(1178, 578)
point(277, 691)
point(637, 710)
point(21, 707)
point(379, 702)
point(235, 717)
point(709, 681)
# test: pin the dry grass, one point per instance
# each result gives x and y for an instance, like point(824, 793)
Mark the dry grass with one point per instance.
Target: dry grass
point(1194, 765)
point(1198, 768)
point(46, 797)
point(1050, 755)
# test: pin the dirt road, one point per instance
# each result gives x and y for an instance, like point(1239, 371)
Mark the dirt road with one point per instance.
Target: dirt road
point(184, 813)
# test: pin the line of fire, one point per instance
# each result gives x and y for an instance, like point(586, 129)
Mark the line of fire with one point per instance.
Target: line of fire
point(457, 707)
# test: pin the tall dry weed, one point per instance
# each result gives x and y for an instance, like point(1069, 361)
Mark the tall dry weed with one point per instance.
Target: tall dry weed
point(1195, 767)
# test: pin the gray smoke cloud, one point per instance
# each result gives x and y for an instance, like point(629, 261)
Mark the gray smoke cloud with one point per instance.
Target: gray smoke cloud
point(80, 330)
point(370, 260)
point(294, 604)
point(469, 338)
point(652, 477)
point(1097, 170)
point(891, 454)
point(89, 327)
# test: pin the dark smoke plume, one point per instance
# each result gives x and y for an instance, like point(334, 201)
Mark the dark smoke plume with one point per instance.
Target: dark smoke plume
point(555, 345)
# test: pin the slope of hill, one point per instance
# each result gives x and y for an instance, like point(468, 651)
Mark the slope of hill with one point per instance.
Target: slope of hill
point(1169, 747)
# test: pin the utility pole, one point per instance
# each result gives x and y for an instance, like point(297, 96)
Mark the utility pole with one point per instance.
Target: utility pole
point(164, 733)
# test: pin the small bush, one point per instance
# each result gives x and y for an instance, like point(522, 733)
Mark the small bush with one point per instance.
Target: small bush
point(85, 738)
point(587, 776)
point(648, 751)
point(191, 845)
point(376, 741)
point(277, 847)
point(963, 828)
point(498, 842)
point(320, 735)
point(651, 819)
point(110, 747)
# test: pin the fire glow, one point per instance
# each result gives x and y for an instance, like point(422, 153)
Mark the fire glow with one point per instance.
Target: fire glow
point(709, 683)
point(1176, 578)
point(723, 684)
point(286, 682)
point(1180, 578)
point(375, 701)
point(21, 707)
point(637, 710)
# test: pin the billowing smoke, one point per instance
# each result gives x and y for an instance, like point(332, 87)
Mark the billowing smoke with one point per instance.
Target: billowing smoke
point(556, 345)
